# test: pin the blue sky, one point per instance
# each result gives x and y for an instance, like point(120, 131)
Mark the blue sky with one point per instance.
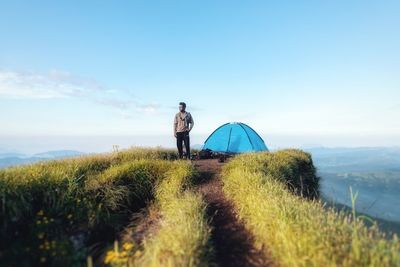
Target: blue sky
point(327, 71)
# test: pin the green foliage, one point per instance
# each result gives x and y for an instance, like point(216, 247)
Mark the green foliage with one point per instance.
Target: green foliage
point(52, 212)
point(291, 167)
point(54, 208)
point(182, 238)
point(296, 231)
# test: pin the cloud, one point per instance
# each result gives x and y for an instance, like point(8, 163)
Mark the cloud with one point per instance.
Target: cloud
point(149, 108)
point(54, 84)
point(62, 84)
point(116, 103)
point(28, 85)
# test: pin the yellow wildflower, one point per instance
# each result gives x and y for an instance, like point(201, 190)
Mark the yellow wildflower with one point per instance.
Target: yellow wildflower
point(109, 257)
point(127, 246)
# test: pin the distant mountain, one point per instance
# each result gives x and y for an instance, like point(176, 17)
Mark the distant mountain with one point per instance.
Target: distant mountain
point(362, 159)
point(13, 161)
point(8, 159)
point(58, 154)
point(11, 154)
point(373, 172)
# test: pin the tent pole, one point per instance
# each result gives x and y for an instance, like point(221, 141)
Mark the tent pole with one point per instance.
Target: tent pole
point(229, 140)
point(248, 136)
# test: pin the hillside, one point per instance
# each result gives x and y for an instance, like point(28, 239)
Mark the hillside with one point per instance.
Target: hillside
point(8, 159)
point(373, 172)
point(141, 207)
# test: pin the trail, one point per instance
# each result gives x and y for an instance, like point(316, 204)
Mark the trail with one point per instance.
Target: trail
point(233, 244)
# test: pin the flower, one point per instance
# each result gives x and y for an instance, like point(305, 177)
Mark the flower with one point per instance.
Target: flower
point(109, 257)
point(127, 246)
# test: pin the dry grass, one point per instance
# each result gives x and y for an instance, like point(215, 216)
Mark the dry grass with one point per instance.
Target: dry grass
point(296, 231)
point(183, 234)
point(44, 205)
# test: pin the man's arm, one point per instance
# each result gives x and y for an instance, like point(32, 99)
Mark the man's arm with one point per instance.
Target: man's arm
point(175, 125)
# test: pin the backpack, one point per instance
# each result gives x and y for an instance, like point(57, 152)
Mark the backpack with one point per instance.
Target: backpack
point(206, 154)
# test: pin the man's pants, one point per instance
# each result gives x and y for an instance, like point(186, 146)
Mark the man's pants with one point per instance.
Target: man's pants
point(183, 137)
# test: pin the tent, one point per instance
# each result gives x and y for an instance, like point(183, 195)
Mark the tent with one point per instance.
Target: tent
point(234, 137)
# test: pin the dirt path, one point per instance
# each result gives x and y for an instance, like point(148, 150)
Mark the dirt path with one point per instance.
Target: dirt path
point(233, 244)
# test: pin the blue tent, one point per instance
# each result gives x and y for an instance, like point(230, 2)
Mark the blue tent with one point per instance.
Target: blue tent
point(235, 137)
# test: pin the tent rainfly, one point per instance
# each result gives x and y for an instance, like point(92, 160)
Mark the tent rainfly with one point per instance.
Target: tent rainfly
point(235, 137)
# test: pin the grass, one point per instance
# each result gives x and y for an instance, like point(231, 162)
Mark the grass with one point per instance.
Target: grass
point(50, 212)
point(54, 213)
point(293, 230)
point(182, 237)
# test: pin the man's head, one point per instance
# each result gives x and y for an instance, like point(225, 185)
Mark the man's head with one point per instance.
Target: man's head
point(182, 106)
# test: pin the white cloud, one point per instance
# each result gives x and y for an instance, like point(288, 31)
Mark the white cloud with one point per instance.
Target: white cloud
point(148, 108)
point(54, 84)
point(28, 85)
point(62, 84)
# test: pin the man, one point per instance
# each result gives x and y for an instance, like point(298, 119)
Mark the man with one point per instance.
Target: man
point(183, 124)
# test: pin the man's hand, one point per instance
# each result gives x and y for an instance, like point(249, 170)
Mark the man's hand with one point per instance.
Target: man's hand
point(175, 135)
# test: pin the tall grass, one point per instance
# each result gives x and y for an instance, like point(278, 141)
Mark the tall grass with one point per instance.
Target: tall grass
point(295, 231)
point(183, 234)
point(49, 211)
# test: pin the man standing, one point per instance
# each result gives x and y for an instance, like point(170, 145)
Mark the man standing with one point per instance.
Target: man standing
point(183, 124)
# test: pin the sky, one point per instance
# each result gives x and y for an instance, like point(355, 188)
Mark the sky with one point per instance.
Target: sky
point(113, 72)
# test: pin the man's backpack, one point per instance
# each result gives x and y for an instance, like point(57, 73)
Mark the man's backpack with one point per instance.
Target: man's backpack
point(206, 154)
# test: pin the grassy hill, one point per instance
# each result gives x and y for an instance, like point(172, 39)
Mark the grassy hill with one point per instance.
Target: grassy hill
point(141, 207)
point(296, 231)
point(372, 172)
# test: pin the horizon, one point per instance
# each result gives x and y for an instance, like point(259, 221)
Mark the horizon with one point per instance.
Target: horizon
point(298, 73)
point(99, 144)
